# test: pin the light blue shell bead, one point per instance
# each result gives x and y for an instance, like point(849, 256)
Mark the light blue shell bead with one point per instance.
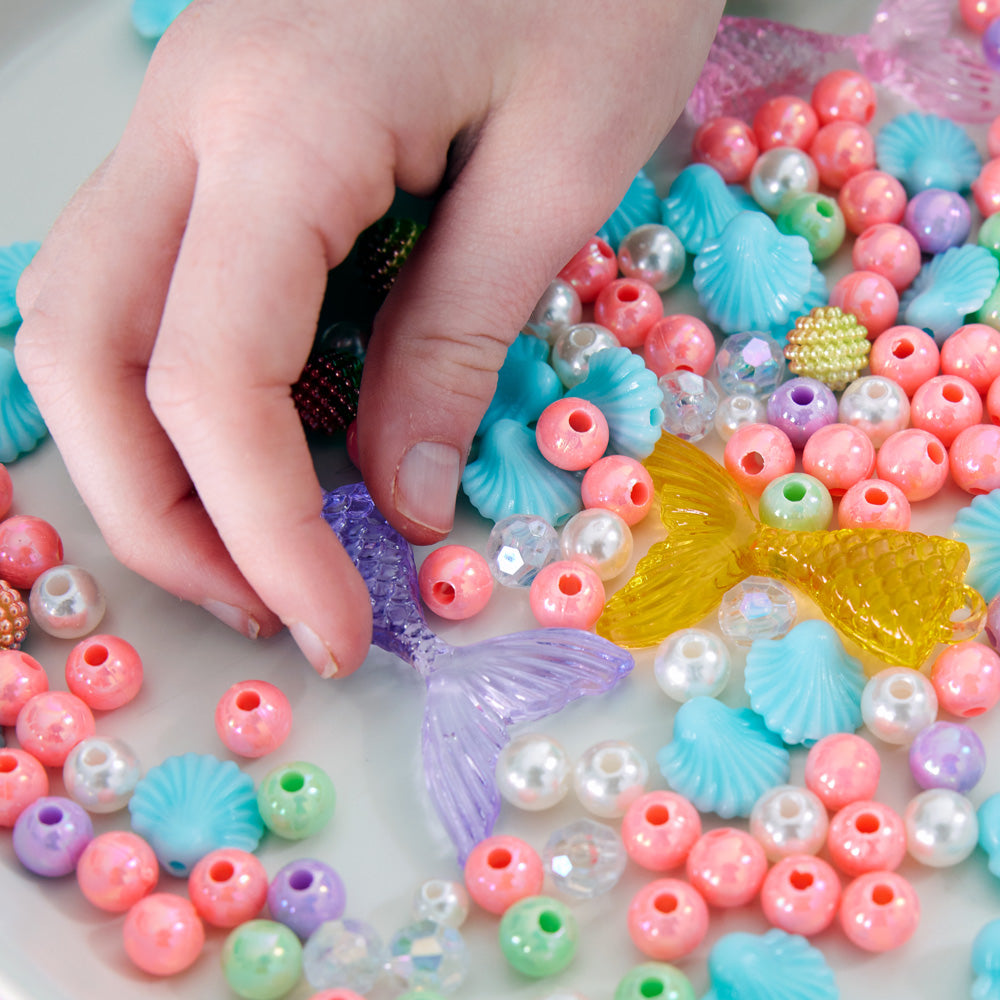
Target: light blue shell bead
point(817, 294)
point(21, 425)
point(978, 525)
point(804, 685)
point(526, 384)
point(986, 962)
point(927, 151)
point(988, 817)
point(639, 206)
point(14, 258)
point(699, 205)
point(152, 17)
point(722, 759)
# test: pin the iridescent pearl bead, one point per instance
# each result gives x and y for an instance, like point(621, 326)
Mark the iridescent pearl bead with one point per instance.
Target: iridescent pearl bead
point(261, 960)
point(889, 250)
point(620, 484)
point(977, 14)
point(163, 934)
point(876, 405)
point(800, 407)
point(304, 894)
point(866, 836)
point(974, 459)
point(296, 800)
point(21, 678)
point(442, 901)
point(844, 95)
point(871, 198)
point(628, 307)
point(23, 780)
point(344, 953)
point(518, 547)
point(941, 827)
point(501, 870)
point(50, 835)
point(938, 219)
point(573, 348)
point(533, 772)
point(800, 894)
point(652, 253)
point(609, 777)
point(728, 145)
point(839, 456)
point(455, 582)
point(785, 120)
point(101, 774)
point(906, 355)
point(945, 405)
point(558, 307)
point(842, 768)
point(737, 411)
point(51, 724)
point(571, 433)
point(104, 671)
point(584, 859)
point(345, 994)
point(28, 547)
point(897, 703)
point(600, 539)
point(667, 919)
point(817, 218)
point(870, 297)
point(757, 454)
point(966, 678)
point(788, 820)
point(679, 342)
point(874, 503)
point(691, 663)
point(590, 268)
point(879, 911)
point(973, 352)
point(659, 829)
point(567, 594)
point(796, 502)
point(538, 936)
point(947, 755)
point(253, 718)
point(66, 602)
point(727, 866)
point(228, 887)
point(781, 174)
point(116, 870)
point(654, 979)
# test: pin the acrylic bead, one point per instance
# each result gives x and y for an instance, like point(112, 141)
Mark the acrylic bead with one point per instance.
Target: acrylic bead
point(916, 461)
point(584, 859)
point(573, 348)
point(501, 870)
point(973, 352)
point(261, 960)
point(116, 869)
point(296, 800)
point(689, 404)
point(840, 150)
point(839, 456)
point(977, 14)
point(897, 703)
point(518, 547)
point(947, 755)
point(101, 774)
point(619, 484)
point(50, 835)
point(572, 433)
point(993, 401)
point(817, 218)
point(51, 724)
point(986, 188)
point(28, 547)
point(23, 780)
point(691, 663)
point(679, 342)
point(874, 503)
point(737, 411)
point(455, 582)
point(842, 768)
point(974, 459)
point(727, 866)
point(727, 144)
point(869, 297)
point(592, 267)
point(441, 901)
point(879, 911)
point(66, 602)
point(253, 718)
point(104, 671)
point(866, 836)
point(654, 979)
point(426, 954)
point(163, 934)
point(538, 936)
point(609, 777)
point(659, 829)
point(945, 405)
point(844, 95)
point(966, 679)
point(667, 919)
point(598, 538)
point(785, 120)
point(533, 772)
point(228, 887)
point(941, 828)
point(344, 953)
point(796, 502)
point(6, 491)
point(889, 250)
point(801, 895)
point(750, 362)
point(756, 608)
point(21, 678)
point(875, 405)
point(757, 454)
point(304, 894)
point(780, 175)
point(869, 199)
point(652, 253)
point(908, 356)
point(938, 219)
point(788, 820)
point(558, 307)
point(567, 594)
point(628, 307)
point(991, 629)
point(800, 407)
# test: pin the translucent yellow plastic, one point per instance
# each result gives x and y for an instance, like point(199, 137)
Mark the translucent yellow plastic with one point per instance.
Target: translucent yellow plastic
point(897, 593)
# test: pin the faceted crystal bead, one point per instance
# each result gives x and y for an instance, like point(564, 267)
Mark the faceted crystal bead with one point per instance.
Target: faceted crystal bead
point(584, 859)
point(750, 363)
point(344, 953)
point(756, 608)
point(429, 955)
point(689, 404)
point(518, 547)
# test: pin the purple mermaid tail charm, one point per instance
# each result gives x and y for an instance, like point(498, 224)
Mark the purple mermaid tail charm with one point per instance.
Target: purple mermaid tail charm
point(474, 693)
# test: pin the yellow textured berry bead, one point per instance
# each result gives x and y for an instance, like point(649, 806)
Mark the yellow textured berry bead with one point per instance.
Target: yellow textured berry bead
point(829, 345)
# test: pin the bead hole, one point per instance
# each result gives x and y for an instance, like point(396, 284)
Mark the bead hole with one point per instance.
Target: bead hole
point(8, 763)
point(902, 349)
point(875, 390)
point(657, 815)
point(582, 337)
point(794, 492)
point(789, 807)
point(570, 585)
point(639, 494)
point(666, 902)
point(580, 422)
point(221, 871)
point(95, 654)
point(693, 648)
point(882, 895)
point(50, 815)
point(651, 988)
point(433, 891)
point(901, 688)
point(300, 879)
point(248, 701)
point(292, 782)
point(610, 762)
point(58, 585)
point(627, 293)
point(752, 463)
point(952, 392)
point(867, 823)
point(444, 592)
point(825, 209)
point(876, 496)
point(499, 857)
point(549, 922)
point(802, 395)
point(936, 452)
point(95, 756)
point(801, 880)
point(177, 866)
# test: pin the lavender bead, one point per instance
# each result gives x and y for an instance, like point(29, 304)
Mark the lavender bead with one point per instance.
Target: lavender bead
point(938, 219)
point(800, 407)
point(305, 894)
point(50, 835)
point(947, 755)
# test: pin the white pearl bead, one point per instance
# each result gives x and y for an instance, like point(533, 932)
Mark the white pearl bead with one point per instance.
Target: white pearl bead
point(533, 772)
point(573, 347)
point(441, 901)
point(66, 602)
point(875, 405)
point(652, 253)
point(735, 411)
point(788, 820)
point(779, 175)
point(600, 538)
point(941, 827)
point(558, 308)
point(897, 703)
point(609, 777)
point(691, 663)
point(101, 774)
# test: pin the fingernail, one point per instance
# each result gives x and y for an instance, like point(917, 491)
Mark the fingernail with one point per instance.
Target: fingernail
point(426, 484)
point(314, 650)
point(236, 618)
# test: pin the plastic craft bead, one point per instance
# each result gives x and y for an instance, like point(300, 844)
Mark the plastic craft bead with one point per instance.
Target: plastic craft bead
point(916, 461)
point(874, 503)
point(344, 953)
point(870, 199)
point(6, 491)
point(801, 895)
point(756, 608)
point(757, 454)
point(908, 356)
point(609, 777)
point(584, 859)
point(727, 866)
point(869, 297)
point(737, 411)
point(28, 547)
point(866, 836)
point(973, 352)
point(898, 703)
point(659, 829)
point(842, 768)
point(676, 342)
point(889, 250)
point(538, 936)
point(21, 677)
point(116, 869)
point(947, 755)
point(941, 828)
point(13, 617)
point(455, 582)
point(800, 407)
point(592, 267)
point(598, 538)
point(750, 362)
point(572, 433)
point(966, 679)
point(162, 934)
point(296, 800)
point(986, 188)
point(620, 484)
point(101, 774)
point(502, 870)
point(654, 979)
point(228, 887)
point(261, 960)
point(844, 95)
point(426, 954)
point(567, 594)
point(839, 456)
point(66, 602)
point(945, 405)
point(993, 401)
point(304, 894)
point(50, 835)
point(796, 502)
point(51, 724)
point(818, 219)
point(690, 663)
point(533, 772)
point(780, 175)
point(628, 307)
point(729, 145)
point(974, 459)
point(253, 718)
point(573, 348)
point(938, 219)
point(875, 405)
point(104, 671)
point(992, 628)
point(23, 780)
point(977, 14)
point(652, 253)
point(689, 404)
point(840, 150)
point(518, 547)
point(879, 911)
point(667, 919)
point(788, 820)
point(442, 901)
point(558, 307)
point(785, 120)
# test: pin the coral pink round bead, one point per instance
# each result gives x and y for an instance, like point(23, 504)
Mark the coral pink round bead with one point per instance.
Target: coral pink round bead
point(590, 268)
point(844, 95)
point(727, 144)
point(945, 405)
point(879, 911)
point(874, 503)
point(977, 15)
point(888, 250)
point(228, 887)
point(839, 455)
point(628, 307)
point(866, 836)
point(840, 150)
point(501, 870)
point(973, 352)
point(162, 934)
point(842, 768)
point(727, 866)
point(800, 894)
point(907, 355)
point(22, 781)
point(567, 594)
point(659, 829)
point(966, 679)
point(870, 298)
point(104, 671)
point(21, 677)
point(620, 484)
point(667, 919)
point(28, 547)
point(6, 491)
point(915, 461)
point(679, 342)
point(756, 454)
point(869, 199)
point(455, 582)
point(572, 433)
point(253, 718)
point(993, 401)
point(116, 870)
point(986, 188)
point(974, 459)
point(785, 120)
point(51, 724)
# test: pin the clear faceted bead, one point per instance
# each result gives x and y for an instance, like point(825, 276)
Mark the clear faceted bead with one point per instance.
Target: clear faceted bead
point(429, 955)
point(343, 953)
point(518, 547)
point(689, 404)
point(584, 859)
point(753, 363)
point(757, 608)
point(442, 901)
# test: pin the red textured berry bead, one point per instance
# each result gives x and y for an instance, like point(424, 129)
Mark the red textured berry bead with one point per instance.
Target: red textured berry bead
point(945, 405)
point(844, 95)
point(727, 144)
point(253, 718)
point(966, 679)
point(785, 120)
point(28, 547)
point(915, 461)
point(840, 150)
point(800, 895)
point(22, 781)
point(756, 454)
point(727, 866)
point(228, 887)
point(839, 455)
point(679, 343)
point(888, 250)
point(874, 503)
point(104, 671)
point(879, 911)
point(866, 836)
point(667, 919)
point(162, 934)
point(659, 829)
point(869, 297)
point(974, 458)
point(21, 677)
point(870, 199)
point(977, 14)
point(590, 269)
point(907, 355)
point(501, 870)
point(51, 724)
point(455, 582)
point(567, 594)
point(620, 484)
point(993, 401)
point(628, 307)
point(842, 768)
point(572, 433)
point(116, 870)
point(973, 352)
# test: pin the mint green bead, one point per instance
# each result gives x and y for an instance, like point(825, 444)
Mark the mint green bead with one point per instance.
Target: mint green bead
point(989, 311)
point(655, 979)
point(989, 235)
point(538, 936)
point(818, 219)
point(296, 800)
point(262, 960)
point(797, 502)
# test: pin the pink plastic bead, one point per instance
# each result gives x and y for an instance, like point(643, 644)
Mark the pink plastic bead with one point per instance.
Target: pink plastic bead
point(844, 95)
point(993, 401)
point(591, 268)
point(567, 594)
point(727, 144)
point(253, 718)
point(869, 199)
point(785, 120)
point(874, 503)
point(879, 911)
point(22, 781)
point(907, 355)
point(455, 582)
point(842, 768)
point(986, 188)
point(162, 934)
point(228, 887)
point(966, 679)
point(839, 455)
point(800, 894)
point(870, 298)
point(659, 829)
point(620, 484)
point(501, 870)
point(977, 14)
point(104, 671)
point(6, 491)
point(628, 307)
point(757, 454)
point(667, 919)
point(679, 343)
point(116, 870)
point(915, 461)
point(51, 724)
point(840, 150)
point(945, 405)
point(28, 547)
point(973, 351)
point(866, 836)
point(888, 250)
point(974, 458)
point(572, 433)
point(727, 866)
point(21, 677)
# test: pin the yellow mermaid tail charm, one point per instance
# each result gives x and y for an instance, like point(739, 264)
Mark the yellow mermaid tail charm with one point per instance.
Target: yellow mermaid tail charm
point(896, 593)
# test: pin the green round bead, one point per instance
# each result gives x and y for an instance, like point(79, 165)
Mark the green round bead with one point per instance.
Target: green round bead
point(989, 311)
point(296, 800)
point(818, 219)
point(262, 960)
point(655, 979)
point(797, 502)
point(989, 235)
point(538, 936)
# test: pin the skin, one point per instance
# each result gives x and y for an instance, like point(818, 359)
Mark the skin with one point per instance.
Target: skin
point(181, 286)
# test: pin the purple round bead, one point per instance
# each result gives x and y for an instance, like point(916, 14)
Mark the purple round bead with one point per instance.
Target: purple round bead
point(993, 622)
point(947, 755)
point(800, 407)
point(305, 894)
point(50, 835)
point(938, 219)
point(991, 44)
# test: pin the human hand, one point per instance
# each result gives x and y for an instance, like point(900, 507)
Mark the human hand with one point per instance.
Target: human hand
point(175, 300)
